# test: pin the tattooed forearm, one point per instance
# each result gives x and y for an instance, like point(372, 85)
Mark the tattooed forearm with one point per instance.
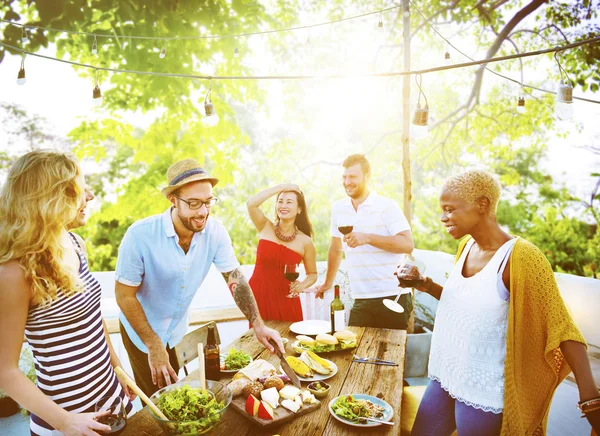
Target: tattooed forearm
point(242, 295)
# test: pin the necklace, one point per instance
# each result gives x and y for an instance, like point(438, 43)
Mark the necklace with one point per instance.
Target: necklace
point(283, 238)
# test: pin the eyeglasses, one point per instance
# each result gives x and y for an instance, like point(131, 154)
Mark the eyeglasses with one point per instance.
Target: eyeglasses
point(197, 204)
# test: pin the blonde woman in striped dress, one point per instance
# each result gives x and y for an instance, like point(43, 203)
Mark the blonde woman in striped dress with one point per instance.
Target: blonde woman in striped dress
point(48, 294)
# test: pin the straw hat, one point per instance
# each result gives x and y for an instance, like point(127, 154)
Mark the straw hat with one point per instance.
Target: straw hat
point(184, 172)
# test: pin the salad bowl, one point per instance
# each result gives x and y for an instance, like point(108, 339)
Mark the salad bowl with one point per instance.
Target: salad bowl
point(189, 410)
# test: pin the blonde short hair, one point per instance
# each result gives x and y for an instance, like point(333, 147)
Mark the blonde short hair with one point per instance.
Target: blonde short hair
point(473, 185)
point(42, 194)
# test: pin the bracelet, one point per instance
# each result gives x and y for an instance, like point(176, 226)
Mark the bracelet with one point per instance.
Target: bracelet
point(589, 405)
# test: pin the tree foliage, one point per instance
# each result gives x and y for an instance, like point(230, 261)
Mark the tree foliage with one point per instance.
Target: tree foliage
point(473, 116)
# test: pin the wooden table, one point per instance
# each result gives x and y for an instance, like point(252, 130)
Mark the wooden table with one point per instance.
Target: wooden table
point(377, 380)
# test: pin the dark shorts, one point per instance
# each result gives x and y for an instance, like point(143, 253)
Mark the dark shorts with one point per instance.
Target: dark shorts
point(139, 363)
point(371, 312)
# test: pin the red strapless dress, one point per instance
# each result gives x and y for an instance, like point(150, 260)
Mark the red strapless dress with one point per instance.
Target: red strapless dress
point(269, 285)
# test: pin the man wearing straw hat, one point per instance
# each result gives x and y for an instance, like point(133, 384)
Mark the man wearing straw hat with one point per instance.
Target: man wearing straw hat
point(163, 260)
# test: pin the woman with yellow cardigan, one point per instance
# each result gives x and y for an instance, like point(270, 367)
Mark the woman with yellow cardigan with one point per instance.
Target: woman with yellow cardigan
point(503, 339)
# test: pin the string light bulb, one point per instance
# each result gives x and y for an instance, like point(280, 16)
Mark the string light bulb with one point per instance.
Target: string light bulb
point(380, 23)
point(24, 35)
point(521, 100)
point(236, 52)
point(212, 117)
point(95, 46)
point(97, 94)
point(563, 109)
point(420, 124)
point(21, 74)
point(163, 51)
point(521, 104)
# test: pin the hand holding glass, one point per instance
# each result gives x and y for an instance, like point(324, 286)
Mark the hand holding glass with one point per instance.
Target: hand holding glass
point(290, 272)
point(117, 419)
point(409, 274)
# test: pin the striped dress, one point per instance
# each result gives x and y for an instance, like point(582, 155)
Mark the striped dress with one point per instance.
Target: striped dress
point(71, 355)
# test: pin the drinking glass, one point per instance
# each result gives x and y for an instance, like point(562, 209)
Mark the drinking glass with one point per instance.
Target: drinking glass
point(117, 419)
point(290, 272)
point(345, 226)
point(409, 274)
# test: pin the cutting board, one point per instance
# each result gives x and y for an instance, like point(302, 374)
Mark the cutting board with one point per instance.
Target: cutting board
point(281, 413)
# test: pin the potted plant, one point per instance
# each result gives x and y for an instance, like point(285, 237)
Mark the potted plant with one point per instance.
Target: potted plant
point(418, 342)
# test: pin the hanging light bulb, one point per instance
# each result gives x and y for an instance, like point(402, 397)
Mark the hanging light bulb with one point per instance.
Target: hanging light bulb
point(97, 94)
point(521, 105)
point(563, 108)
point(163, 51)
point(24, 35)
point(212, 117)
point(95, 46)
point(420, 124)
point(236, 52)
point(380, 23)
point(21, 75)
point(447, 56)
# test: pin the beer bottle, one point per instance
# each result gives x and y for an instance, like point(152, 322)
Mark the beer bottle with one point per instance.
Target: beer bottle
point(212, 363)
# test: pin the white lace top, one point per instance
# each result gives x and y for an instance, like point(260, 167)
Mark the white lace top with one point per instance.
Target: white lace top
point(468, 346)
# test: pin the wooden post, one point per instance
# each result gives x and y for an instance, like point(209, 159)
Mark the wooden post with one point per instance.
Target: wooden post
point(406, 130)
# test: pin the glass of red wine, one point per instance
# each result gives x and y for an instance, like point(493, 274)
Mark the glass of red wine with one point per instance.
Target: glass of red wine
point(290, 272)
point(345, 226)
point(117, 418)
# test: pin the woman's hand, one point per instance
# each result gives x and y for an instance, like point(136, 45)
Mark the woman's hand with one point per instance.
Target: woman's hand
point(78, 424)
point(288, 187)
point(296, 287)
point(127, 390)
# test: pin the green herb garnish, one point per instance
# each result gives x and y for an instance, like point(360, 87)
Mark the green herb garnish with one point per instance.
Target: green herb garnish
point(236, 360)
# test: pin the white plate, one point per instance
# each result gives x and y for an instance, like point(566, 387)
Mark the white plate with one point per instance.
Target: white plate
point(388, 412)
point(311, 327)
point(231, 371)
point(317, 377)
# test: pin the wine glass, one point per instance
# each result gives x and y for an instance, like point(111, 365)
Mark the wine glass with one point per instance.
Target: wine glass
point(117, 418)
point(345, 226)
point(409, 274)
point(290, 272)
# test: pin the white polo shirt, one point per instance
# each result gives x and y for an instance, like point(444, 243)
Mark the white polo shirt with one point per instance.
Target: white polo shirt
point(371, 270)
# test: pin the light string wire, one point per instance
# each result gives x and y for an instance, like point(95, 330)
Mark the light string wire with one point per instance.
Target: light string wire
point(199, 37)
point(524, 85)
point(321, 76)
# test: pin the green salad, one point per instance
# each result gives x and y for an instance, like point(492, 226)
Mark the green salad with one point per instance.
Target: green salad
point(195, 405)
point(236, 360)
point(356, 410)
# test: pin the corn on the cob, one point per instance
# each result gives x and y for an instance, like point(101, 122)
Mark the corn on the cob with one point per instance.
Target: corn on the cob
point(299, 367)
point(325, 363)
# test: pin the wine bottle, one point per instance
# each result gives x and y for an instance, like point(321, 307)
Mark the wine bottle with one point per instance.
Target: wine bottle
point(338, 314)
point(212, 362)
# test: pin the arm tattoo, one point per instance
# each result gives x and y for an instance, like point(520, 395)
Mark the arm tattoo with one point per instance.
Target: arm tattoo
point(242, 294)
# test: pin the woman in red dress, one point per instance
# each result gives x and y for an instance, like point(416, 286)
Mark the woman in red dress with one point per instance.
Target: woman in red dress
point(285, 242)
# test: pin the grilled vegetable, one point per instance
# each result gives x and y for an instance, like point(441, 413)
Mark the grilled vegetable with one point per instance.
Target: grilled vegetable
point(299, 366)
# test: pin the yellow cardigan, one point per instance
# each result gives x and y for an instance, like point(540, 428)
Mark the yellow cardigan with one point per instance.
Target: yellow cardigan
point(538, 322)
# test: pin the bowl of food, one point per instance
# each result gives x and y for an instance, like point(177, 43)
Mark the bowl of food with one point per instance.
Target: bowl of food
point(189, 409)
point(319, 389)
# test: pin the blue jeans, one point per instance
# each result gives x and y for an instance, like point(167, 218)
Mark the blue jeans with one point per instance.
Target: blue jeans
point(439, 415)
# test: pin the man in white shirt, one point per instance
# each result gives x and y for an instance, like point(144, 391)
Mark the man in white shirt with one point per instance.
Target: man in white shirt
point(380, 234)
